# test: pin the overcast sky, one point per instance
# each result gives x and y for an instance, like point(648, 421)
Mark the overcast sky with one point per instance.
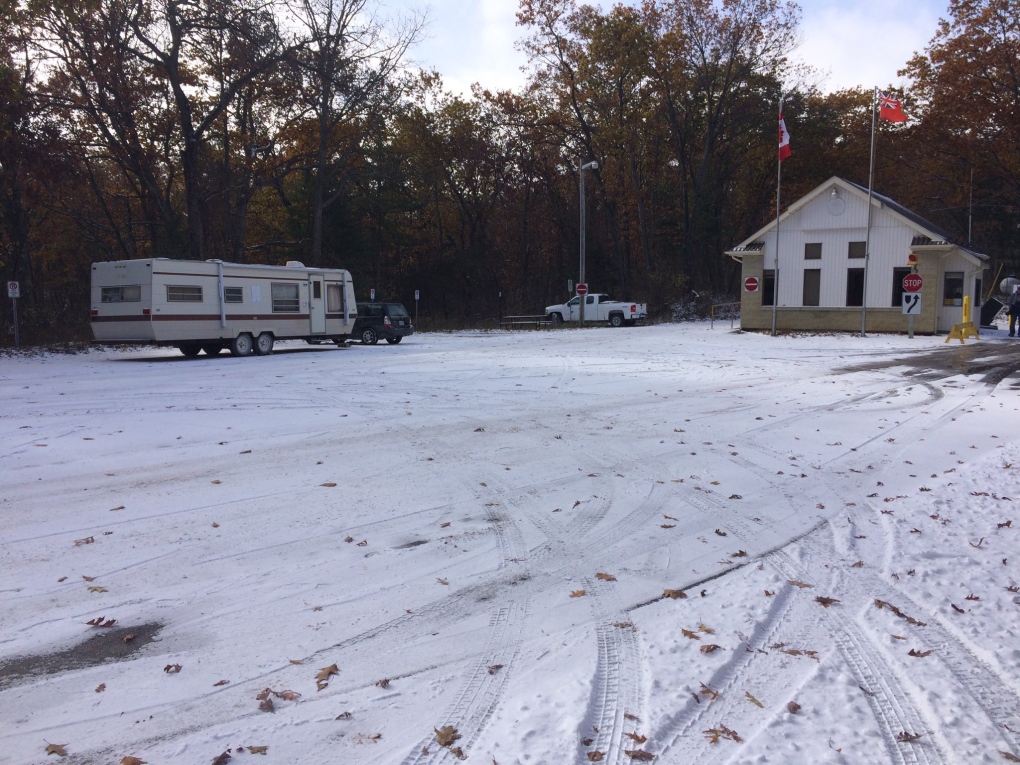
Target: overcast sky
point(857, 42)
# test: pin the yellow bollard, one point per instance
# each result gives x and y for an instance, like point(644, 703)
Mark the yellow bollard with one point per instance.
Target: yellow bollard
point(966, 327)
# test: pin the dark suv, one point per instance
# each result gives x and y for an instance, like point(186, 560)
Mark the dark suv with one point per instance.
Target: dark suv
point(390, 321)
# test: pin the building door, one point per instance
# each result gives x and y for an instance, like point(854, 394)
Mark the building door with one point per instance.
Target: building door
point(316, 305)
point(950, 300)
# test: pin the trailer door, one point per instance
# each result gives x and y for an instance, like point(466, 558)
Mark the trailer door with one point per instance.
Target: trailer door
point(317, 304)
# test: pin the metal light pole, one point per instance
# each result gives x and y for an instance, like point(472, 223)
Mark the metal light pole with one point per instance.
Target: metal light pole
point(581, 298)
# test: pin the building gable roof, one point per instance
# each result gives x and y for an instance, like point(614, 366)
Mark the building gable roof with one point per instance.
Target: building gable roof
point(928, 232)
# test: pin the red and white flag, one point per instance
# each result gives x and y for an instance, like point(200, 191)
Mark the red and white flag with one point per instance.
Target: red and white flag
point(890, 108)
point(784, 139)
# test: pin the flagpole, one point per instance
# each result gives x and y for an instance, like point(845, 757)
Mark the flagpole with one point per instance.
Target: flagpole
point(867, 240)
point(775, 269)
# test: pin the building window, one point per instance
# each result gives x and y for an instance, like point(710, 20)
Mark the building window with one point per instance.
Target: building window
point(857, 249)
point(812, 286)
point(768, 287)
point(334, 298)
point(855, 286)
point(233, 294)
point(286, 298)
point(813, 251)
point(897, 286)
point(952, 293)
point(183, 294)
point(131, 294)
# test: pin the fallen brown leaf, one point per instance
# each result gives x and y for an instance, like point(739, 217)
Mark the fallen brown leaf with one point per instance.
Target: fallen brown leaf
point(446, 735)
point(595, 756)
point(257, 749)
point(793, 707)
point(494, 668)
point(56, 749)
point(101, 687)
point(578, 594)
point(802, 585)
point(639, 755)
point(384, 683)
point(221, 759)
point(637, 738)
point(172, 669)
point(689, 634)
point(918, 654)
point(132, 761)
point(220, 682)
point(825, 602)
point(605, 577)
point(710, 648)
point(328, 484)
point(323, 675)
point(674, 594)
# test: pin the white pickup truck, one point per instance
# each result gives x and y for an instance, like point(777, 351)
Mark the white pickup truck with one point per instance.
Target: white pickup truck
point(597, 307)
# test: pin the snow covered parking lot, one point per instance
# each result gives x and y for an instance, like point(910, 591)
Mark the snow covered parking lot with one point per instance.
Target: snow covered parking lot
point(663, 542)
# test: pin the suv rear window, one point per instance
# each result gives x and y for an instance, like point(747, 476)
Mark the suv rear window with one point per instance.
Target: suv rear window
point(396, 309)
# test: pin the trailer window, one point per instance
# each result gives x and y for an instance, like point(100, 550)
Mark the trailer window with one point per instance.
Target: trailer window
point(334, 298)
point(285, 298)
point(183, 293)
point(129, 294)
point(233, 294)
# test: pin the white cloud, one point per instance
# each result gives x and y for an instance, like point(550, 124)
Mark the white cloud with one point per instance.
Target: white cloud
point(860, 43)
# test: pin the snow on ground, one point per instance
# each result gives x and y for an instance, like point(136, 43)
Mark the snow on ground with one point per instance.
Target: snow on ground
point(536, 538)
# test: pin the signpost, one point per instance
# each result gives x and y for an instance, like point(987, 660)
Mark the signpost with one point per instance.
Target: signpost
point(371, 294)
point(912, 284)
point(417, 295)
point(14, 292)
point(751, 284)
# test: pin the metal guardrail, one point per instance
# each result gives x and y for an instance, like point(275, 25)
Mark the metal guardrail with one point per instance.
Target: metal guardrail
point(711, 313)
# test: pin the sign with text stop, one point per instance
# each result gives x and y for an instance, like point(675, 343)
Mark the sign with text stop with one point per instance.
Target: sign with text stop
point(751, 284)
point(582, 289)
point(912, 283)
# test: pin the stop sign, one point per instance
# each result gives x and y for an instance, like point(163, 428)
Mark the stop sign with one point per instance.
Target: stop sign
point(751, 284)
point(582, 289)
point(912, 283)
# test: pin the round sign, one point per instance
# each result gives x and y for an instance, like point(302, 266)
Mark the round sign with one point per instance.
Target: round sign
point(912, 283)
point(582, 289)
point(751, 284)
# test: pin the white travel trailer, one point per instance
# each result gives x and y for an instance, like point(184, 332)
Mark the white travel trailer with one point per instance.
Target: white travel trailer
point(211, 305)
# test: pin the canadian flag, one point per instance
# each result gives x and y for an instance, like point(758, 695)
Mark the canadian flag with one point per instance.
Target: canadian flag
point(890, 108)
point(784, 139)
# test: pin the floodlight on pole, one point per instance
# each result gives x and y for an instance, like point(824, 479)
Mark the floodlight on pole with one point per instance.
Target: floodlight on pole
point(593, 165)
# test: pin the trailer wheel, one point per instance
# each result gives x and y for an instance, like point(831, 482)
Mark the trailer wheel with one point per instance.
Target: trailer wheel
point(616, 320)
point(264, 344)
point(241, 345)
point(189, 349)
point(212, 349)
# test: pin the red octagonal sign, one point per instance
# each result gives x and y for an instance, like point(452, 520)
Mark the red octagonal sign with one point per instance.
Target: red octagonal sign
point(912, 283)
point(582, 289)
point(751, 284)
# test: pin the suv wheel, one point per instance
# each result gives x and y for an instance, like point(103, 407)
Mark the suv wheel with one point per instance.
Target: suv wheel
point(369, 336)
point(393, 340)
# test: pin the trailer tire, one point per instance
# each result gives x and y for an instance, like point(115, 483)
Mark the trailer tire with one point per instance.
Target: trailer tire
point(241, 345)
point(212, 349)
point(616, 320)
point(190, 350)
point(556, 318)
point(369, 336)
point(264, 344)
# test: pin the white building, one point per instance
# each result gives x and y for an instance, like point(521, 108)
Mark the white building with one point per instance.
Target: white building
point(821, 266)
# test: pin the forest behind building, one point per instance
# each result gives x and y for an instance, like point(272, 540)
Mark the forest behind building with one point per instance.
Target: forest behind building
point(262, 131)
